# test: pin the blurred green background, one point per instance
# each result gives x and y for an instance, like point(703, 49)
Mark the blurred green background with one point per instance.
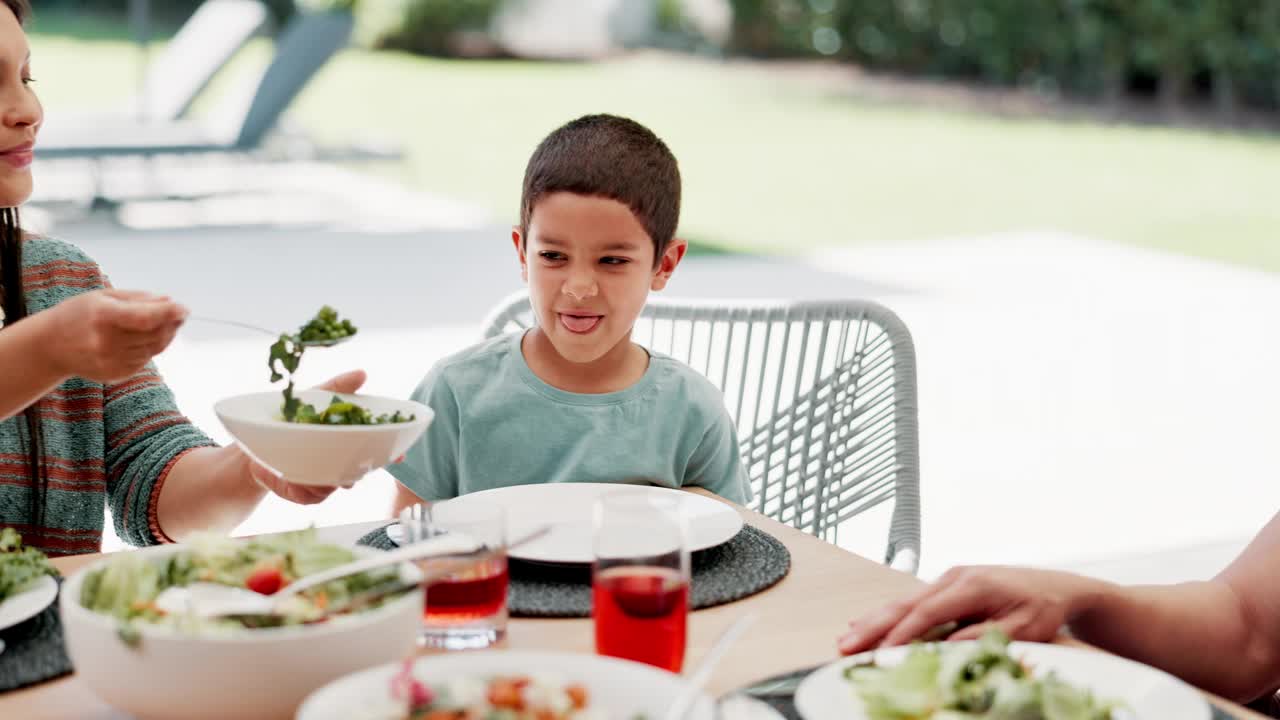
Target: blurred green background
point(815, 122)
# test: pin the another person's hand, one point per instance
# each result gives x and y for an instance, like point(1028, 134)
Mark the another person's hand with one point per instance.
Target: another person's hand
point(1027, 604)
point(109, 335)
point(347, 382)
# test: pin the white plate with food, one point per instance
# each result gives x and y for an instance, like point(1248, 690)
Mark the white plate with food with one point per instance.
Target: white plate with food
point(938, 682)
point(26, 585)
point(28, 603)
point(567, 509)
point(543, 685)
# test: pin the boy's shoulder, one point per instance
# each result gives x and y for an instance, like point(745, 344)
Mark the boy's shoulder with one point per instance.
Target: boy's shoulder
point(695, 389)
point(476, 363)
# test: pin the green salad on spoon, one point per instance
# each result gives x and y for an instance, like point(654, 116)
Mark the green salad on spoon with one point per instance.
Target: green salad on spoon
point(324, 330)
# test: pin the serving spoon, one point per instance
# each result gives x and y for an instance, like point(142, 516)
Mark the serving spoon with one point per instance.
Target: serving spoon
point(209, 600)
point(327, 342)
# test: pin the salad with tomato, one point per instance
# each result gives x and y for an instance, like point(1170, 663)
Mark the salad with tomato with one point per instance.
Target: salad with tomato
point(127, 588)
point(501, 697)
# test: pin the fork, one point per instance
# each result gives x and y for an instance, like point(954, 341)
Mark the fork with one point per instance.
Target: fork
point(256, 328)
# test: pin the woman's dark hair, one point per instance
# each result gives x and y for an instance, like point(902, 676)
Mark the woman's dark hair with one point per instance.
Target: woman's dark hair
point(13, 299)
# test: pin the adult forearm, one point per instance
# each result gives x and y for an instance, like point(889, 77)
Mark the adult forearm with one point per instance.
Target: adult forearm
point(26, 374)
point(1198, 631)
point(207, 489)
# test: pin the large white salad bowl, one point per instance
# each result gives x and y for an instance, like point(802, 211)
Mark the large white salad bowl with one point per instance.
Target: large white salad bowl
point(244, 674)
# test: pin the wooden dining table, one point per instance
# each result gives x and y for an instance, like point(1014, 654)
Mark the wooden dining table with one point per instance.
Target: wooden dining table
point(798, 622)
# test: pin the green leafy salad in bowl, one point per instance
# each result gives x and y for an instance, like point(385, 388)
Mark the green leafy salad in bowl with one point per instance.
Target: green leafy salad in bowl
point(126, 588)
point(20, 567)
point(970, 681)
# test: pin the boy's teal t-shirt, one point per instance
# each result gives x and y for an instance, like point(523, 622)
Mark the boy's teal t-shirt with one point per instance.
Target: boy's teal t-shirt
point(497, 424)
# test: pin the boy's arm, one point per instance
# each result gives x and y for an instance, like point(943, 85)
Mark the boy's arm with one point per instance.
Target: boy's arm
point(404, 498)
point(429, 470)
point(716, 462)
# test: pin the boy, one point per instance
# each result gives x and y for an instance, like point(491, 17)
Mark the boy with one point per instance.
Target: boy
point(573, 399)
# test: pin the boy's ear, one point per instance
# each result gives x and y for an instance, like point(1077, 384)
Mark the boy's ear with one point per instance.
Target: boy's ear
point(518, 240)
point(671, 257)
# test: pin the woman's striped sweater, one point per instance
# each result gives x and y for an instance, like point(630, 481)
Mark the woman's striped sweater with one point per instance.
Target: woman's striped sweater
point(105, 445)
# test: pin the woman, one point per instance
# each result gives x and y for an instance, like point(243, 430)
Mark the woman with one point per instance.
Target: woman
point(104, 428)
point(1222, 635)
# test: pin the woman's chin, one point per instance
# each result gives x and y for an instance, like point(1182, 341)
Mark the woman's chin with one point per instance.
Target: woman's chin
point(13, 194)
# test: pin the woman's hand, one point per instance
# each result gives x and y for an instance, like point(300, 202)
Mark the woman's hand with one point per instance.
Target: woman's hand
point(1027, 604)
point(347, 382)
point(108, 335)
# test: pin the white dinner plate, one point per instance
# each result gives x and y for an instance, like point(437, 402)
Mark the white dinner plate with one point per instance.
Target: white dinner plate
point(1148, 694)
point(567, 508)
point(28, 603)
point(615, 688)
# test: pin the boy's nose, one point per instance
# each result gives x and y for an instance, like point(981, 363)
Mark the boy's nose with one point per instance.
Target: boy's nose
point(580, 289)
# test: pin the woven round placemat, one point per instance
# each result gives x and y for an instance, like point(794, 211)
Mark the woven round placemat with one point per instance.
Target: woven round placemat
point(749, 563)
point(34, 650)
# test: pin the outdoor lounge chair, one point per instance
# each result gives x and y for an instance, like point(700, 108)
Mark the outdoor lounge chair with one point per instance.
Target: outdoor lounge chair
point(305, 45)
point(203, 45)
point(175, 78)
point(823, 395)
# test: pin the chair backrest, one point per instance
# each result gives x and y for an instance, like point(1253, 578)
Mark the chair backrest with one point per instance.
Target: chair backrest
point(823, 395)
point(203, 45)
point(307, 42)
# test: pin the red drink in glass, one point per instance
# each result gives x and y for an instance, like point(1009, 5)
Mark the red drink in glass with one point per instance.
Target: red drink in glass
point(472, 595)
point(467, 610)
point(641, 614)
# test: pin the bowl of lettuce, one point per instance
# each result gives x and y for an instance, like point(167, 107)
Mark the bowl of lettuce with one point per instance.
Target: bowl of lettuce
point(153, 664)
point(994, 679)
point(342, 439)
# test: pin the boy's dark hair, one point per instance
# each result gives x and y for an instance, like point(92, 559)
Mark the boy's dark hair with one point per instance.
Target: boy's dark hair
point(612, 157)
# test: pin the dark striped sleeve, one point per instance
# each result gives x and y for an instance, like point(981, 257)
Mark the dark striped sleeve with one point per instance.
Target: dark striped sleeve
point(145, 437)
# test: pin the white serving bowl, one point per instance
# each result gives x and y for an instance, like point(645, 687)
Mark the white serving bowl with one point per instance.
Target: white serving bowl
point(255, 674)
point(320, 454)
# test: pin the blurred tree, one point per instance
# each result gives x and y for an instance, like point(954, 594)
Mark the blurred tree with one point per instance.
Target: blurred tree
point(1165, 45)
point(1101, 31)
point(429, 27)
point(1221, 31)
point(1094, 48)
point(328, 5)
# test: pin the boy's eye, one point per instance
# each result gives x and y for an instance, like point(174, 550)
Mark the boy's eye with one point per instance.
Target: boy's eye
point(614, 261)
point(551, 255)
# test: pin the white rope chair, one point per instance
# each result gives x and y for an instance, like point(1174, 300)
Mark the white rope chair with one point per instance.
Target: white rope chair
point(823, 395)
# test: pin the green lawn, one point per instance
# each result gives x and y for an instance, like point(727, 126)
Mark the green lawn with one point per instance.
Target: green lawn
point(767, 166)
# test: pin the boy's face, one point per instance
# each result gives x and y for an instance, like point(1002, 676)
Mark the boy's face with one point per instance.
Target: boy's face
point(589, 265)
